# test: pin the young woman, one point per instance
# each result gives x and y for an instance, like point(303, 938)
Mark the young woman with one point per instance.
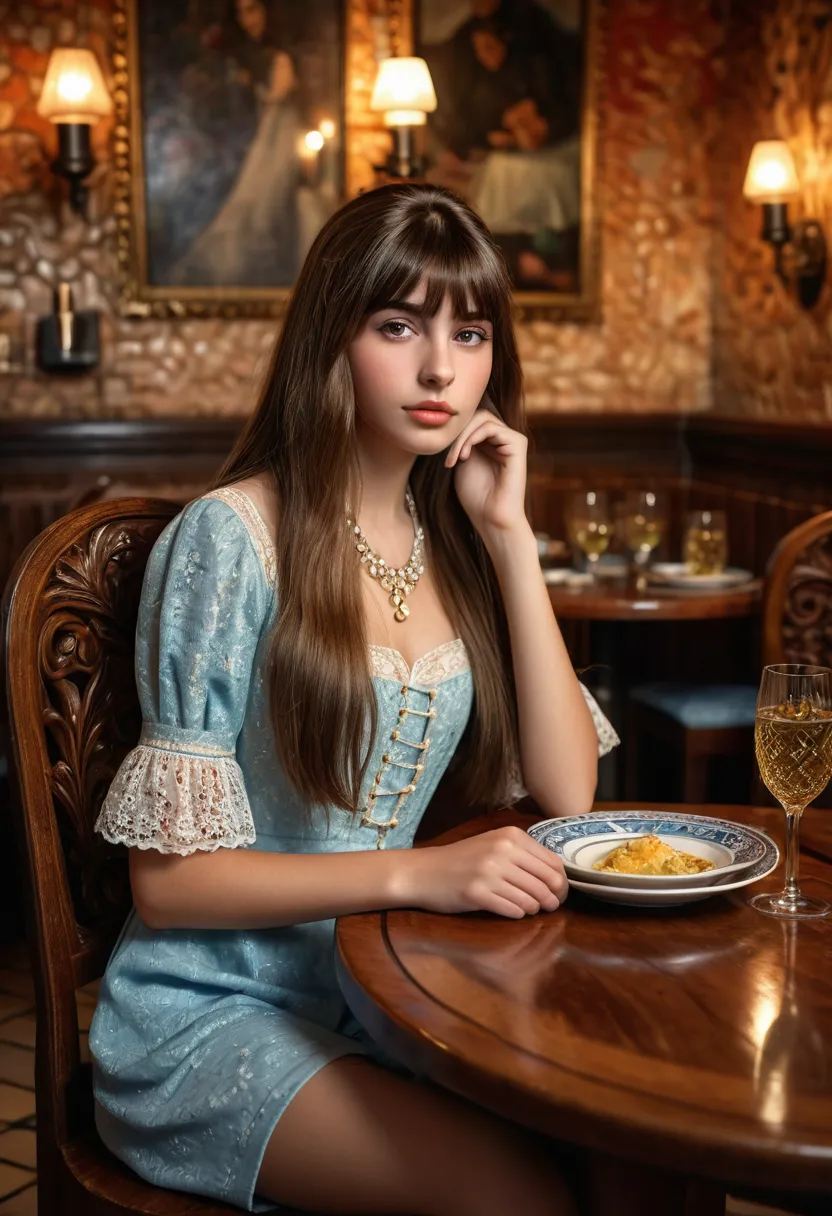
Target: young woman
point(356, 606)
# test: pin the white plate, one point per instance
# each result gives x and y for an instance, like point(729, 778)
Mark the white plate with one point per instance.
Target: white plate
point(579, 857)
point(675, 574)
point(556, 834)
point(669, 899)
point(563, 576)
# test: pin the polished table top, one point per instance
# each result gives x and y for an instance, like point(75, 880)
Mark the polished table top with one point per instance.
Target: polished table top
point(619, 600)
point(698, 1038)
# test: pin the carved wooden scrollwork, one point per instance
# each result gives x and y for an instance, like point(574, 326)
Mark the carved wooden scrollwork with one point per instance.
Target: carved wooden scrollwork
point(90, 705)
point(807, 615)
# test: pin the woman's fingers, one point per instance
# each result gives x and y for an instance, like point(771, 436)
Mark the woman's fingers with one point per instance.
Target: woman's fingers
point(553, 876)
point(520, 896)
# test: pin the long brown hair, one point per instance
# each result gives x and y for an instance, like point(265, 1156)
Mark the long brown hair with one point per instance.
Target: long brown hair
point(377, 248)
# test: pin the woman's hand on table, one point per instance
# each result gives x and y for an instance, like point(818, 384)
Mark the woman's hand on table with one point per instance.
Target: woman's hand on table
point(503, 871)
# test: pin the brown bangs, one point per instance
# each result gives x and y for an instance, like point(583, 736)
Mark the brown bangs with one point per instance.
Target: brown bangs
point(441, 255)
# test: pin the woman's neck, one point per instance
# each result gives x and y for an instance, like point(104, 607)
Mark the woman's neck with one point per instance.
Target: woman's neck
point(384, 478)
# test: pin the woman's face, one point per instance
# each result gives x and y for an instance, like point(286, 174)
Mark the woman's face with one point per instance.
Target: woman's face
point(402, 358)
point(251, 15)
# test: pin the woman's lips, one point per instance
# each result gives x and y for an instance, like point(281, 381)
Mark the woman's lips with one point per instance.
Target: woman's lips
point(430, 417)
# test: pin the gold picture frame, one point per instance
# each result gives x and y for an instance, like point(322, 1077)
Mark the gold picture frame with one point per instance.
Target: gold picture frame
point(362, 137)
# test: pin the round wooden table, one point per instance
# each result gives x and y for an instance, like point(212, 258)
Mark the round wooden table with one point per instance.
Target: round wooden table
point(617, 600)
point(694, 1039)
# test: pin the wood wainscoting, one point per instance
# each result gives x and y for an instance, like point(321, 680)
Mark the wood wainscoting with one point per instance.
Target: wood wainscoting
point(767, 476)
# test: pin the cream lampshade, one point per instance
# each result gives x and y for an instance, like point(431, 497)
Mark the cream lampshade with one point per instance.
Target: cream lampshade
point(73, 88)
point(403, 91)
point(771, 176)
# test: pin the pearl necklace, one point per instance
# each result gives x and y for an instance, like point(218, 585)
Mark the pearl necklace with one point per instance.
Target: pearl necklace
point(402, 582)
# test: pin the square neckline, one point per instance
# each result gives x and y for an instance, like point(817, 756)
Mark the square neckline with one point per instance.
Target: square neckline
point(254, 520)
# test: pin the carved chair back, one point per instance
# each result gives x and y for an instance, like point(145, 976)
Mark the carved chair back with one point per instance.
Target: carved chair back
point(797, 613)
point(797, 607)
point(70, 618)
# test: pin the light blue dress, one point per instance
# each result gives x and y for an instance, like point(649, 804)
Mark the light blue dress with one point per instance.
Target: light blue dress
point(201, 1038)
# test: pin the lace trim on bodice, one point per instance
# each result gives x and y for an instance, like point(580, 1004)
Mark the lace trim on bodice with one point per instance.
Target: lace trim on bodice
point(432, 668)
point(255, 525)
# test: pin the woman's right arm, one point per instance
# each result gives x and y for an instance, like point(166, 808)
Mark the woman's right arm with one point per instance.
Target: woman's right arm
point(502, 871)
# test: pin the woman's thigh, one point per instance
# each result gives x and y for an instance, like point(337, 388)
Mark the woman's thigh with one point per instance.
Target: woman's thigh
point(358, 1138)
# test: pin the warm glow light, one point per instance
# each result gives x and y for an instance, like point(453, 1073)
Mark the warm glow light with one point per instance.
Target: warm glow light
point(327, 128)
point(314, 141)
point(771, 175)
point(404, 118)
point(73, 88)
point(404, 90)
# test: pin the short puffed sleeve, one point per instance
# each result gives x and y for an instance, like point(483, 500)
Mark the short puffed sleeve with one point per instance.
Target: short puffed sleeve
point(204, 602)
point(607, 740)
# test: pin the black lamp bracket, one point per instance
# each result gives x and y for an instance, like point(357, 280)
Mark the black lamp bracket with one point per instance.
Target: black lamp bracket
point(799, 252)
point(75, 161)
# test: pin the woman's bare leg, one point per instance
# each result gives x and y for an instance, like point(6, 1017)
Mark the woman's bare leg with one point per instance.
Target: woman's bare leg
point(358, 1138)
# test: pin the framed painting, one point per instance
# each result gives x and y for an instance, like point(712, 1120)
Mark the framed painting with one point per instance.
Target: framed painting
point(229, 149)
point(515, 133)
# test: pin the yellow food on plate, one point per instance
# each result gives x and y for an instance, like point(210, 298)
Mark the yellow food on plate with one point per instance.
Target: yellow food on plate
point(649, 855)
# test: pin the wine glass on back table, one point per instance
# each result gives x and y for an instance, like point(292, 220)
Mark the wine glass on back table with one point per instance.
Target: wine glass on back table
point(643, 528)
point(589, 525)
point(793, 741)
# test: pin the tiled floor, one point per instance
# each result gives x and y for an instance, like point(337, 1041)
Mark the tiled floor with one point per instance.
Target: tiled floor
point(18, 1179)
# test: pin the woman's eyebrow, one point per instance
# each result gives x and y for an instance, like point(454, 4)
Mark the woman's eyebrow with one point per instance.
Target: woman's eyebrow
point(418, 310)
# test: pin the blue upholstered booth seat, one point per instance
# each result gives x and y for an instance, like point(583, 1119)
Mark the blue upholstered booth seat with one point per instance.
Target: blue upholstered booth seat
point(701, 707)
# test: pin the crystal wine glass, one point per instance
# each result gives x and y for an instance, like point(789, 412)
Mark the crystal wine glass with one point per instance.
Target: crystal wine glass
point(705, 546)
point(589, 524)
point(644, 525)
point(793, 741)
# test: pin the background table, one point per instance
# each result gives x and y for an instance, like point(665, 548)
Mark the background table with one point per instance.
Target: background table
point(617, 600)
point(694, 1038)
point(694, 637)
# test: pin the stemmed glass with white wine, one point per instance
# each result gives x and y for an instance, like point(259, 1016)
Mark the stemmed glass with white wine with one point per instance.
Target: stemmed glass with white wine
point(793, 741)
point(643, 528)
point(589, 525)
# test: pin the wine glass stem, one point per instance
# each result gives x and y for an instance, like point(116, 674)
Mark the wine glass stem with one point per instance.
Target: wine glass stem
point(793, 813)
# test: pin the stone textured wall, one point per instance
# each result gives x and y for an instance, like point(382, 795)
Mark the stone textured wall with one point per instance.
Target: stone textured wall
point(772, 359)
point(651, 351)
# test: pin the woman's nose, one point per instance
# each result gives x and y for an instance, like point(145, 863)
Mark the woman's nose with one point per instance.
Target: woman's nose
point(437, 368)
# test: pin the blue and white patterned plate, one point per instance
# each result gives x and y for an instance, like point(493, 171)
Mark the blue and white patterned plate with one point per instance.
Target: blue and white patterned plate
point(754, 852)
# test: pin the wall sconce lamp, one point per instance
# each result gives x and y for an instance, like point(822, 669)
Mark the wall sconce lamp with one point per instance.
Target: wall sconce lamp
point(404, 92)
point(771, 179)
point(74, 97)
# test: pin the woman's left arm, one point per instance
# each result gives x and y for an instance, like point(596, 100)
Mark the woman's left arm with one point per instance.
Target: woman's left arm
point(558, 739)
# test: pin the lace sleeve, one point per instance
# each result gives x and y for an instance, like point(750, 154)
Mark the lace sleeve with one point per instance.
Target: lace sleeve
point(607, 740)
point(176, 802)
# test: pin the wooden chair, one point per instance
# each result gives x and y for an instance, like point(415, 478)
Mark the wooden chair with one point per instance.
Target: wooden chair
point(70, 618)
point(699, 723)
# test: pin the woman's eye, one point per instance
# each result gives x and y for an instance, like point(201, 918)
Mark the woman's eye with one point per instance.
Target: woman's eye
point(396, 329)
point(472, 337)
